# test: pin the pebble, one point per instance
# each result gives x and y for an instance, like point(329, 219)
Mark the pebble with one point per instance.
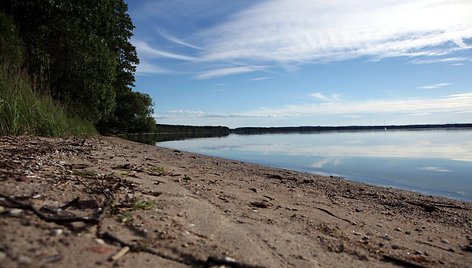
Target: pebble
point(15, 211)
point(356, 233)
point(99, 241)
point(3, 255)
point(56, 232)
point(358, 210)
point(467, 248)
point(398, 229)
point(365, 238)
point(229, 259)
point(381, 245)
point(394, 246)
point(445, 241)
point(386, 237)
point(24, 260)
point(407, 232)
point(417, 252)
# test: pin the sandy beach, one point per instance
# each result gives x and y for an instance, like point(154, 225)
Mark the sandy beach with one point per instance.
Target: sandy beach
point(109, 202)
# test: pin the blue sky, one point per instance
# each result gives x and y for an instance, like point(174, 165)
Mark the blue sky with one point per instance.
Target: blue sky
point(299, 62)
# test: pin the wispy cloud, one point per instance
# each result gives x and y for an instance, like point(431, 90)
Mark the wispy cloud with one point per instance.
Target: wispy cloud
point(457, 103)
point(148, 68)
point(226, 71)
point(287, 34)
point(299, 31)
point(439, 60)
point(147, 51)
point(259, 78)
point(176, 40)
point(434, 86)
point(451, 104)
point(325, 98)
point(201, 114)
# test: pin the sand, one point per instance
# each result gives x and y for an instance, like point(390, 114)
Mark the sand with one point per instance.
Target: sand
point(159, 207)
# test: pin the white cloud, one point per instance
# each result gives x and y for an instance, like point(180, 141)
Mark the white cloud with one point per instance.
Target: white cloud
point(176, 40)
point(440, 60)
point(146, 51)
point(148, 68)
point(226, 71)
point(259, 78)
point(300, 31)
point(201, 114)
point(434, 86)
point(447, 109)
point(325, 98)
point(458, 103)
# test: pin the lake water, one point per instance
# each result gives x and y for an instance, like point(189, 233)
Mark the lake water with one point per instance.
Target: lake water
point(436, 162)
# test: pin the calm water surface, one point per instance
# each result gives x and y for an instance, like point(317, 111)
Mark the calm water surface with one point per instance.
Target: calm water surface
point(436, 162)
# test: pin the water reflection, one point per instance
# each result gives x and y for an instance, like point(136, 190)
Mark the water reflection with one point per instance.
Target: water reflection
point(436, 162)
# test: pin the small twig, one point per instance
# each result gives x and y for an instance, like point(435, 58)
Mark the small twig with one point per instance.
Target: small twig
point(212, 261)
point(331, 214)
point(401, 262)
point(120, 253)
point(71, 203)
point(438, 247)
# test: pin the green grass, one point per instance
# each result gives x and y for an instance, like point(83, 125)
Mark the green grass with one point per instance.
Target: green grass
point(158, 170)
point(24, 111)
point(144, 204)
point(84, 173)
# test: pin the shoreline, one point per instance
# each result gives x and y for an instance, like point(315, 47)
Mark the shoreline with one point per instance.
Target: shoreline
point(189, 207)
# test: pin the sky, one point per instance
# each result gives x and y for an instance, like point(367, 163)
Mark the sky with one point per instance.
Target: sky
point(301, 62)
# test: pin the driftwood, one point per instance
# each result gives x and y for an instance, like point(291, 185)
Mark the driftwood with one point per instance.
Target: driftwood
point(95, 219)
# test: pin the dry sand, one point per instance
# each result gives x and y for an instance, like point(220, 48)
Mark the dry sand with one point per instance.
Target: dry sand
point(176, 209)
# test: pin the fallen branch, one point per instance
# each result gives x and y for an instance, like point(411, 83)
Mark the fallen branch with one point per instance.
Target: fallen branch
point(331, 214)
point(95, 219)
point(401, 262)
point(434, 207)
point(137, 248)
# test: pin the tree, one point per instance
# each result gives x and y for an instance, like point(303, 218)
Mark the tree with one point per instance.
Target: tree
point(82, 49)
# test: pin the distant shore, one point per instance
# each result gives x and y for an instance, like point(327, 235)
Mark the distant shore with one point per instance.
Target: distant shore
point(179, 209)
point(311, 129)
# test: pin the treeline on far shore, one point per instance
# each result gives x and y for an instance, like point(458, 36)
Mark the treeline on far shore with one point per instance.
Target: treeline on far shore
point(178, 132)
point(182, 132)
point(314, 129)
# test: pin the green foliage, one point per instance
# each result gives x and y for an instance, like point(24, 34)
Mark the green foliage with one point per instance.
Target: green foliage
point(79, 53)
point(159, 171)
point(84, 173)
point(144, 204)
point(22, 109)
point(133, 115)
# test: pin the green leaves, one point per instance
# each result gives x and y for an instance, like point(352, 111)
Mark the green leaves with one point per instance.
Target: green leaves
point(82, 51)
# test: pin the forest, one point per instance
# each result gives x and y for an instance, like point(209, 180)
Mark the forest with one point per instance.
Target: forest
point(67, 68)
